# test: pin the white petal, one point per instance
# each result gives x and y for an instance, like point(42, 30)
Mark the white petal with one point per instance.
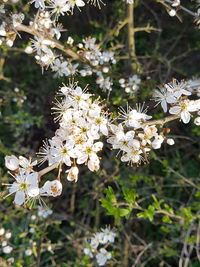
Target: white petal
point(33, 191)
point(32, 178)
point(175, 110)
point(80, 3)
point(19, 198)
point(185, 116)
point(164, 105)
point(14, 187)
point(82, 159)
point(104, 129)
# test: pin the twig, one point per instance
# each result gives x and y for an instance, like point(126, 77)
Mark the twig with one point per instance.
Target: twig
point(48, 169)
point(141, 253)
point(162, 121)
point(57, 44)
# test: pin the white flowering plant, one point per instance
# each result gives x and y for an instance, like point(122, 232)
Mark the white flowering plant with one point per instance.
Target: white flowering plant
point(120, 138)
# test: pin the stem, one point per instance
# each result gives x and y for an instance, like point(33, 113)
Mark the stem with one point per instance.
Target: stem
point(131, 36)
point(48, 169)
point(146, 29)
point(162, 121)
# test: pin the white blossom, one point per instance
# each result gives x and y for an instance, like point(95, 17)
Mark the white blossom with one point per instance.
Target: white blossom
point(52, 188)
point(103, 256)
point(24, 187)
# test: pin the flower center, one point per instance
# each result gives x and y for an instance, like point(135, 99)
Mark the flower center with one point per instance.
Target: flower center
point(54, 189)
point(23, 186)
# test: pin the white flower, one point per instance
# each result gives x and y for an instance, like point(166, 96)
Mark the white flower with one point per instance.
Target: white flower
point(88, 152)
point(62, 153)
point(26, 164)
point(48, 58)
point(25, 187)
point(52, 188)
point(103, 256)
point(100, 124)
point(59, 6)
point(184, 108)
point(17, 19)
point(73, 174)
point(7, 249)
point(60, 67)
point(132, 156)
point(88, 252)
point(28, 252)
point(107, 236)
point(135, 118)
point(41, 45)
point(156, 144)
point(11, 162)
point(177, 89)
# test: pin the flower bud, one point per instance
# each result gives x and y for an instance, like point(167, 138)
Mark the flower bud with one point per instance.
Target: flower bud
point(73, 174)
point(197, 121)
point(172, 12)
point(170, 141)
point(12, 162)
point(28, 50)
point(8, 235)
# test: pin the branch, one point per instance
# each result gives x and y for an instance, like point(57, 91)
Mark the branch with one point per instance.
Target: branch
point(113, 31)
point(162, 121)
point(131, 36)
point(48, 169)
point(57, 44)
point(140, 29)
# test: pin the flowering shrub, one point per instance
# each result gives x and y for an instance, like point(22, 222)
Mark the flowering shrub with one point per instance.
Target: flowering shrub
point(125, 133)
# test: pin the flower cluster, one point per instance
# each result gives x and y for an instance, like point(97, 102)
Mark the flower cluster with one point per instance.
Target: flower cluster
point(47, 30)
point(83, 122)
point(96, 246)
point(176, 95)
point(132, 85)
point(99, 62)
point(26, 184)
point(133, 137)
point(77, 141)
